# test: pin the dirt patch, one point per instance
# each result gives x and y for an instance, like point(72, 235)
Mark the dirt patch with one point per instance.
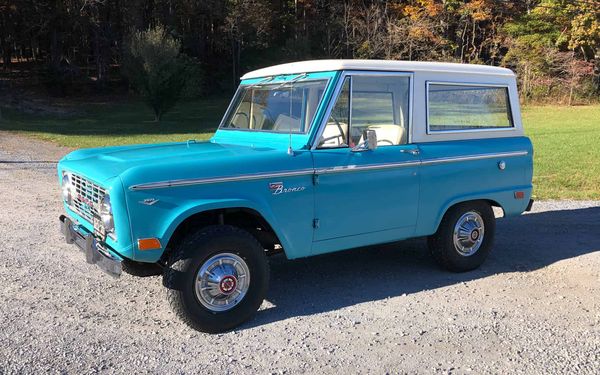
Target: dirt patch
point(18, 149)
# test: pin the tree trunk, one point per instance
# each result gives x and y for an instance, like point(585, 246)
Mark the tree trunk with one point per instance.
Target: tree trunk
point(4, 42)
point(234, 61)
point(463, 43)
point(102, 43)
point(571, 93)
point(238, 64)
point(54, 51)
point(473, 53)
point(6, 54)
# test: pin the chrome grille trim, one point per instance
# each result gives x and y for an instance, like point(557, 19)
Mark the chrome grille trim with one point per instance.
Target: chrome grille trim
point(86, 198)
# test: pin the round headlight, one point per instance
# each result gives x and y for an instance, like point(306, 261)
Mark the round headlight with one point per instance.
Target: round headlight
point(106, 214)
point(66, 188)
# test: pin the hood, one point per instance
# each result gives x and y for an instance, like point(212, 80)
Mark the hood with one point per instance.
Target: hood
point(102, 164)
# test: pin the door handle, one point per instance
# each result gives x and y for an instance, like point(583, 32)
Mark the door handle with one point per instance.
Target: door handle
point(412, 151)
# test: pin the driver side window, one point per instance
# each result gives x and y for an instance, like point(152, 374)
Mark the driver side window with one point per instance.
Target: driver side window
point(335, 133)
point(369, 102)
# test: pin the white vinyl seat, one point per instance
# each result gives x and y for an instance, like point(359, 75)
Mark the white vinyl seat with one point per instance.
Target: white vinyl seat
point(241, 118)
point(286, 123)
point(388, 134)
point(332, 131)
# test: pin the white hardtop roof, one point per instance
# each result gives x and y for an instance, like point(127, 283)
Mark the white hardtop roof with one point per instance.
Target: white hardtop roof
point(311, 66)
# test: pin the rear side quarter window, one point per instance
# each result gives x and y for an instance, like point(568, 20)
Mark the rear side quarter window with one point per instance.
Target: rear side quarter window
point(453, 107)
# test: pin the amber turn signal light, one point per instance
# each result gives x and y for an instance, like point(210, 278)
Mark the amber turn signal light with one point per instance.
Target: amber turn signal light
point(148, 244)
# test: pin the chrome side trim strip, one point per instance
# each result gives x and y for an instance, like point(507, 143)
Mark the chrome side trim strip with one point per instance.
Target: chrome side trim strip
point(215, 180)
point(357, 168)
point(473, 157)
point(329, 170)
point(354, 168)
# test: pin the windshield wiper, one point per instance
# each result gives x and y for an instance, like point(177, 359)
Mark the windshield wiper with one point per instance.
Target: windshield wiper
point(261, 82)
point(295, 79)
point(281, 85)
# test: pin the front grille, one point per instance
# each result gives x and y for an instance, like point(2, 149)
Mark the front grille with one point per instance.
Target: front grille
point(86, 198)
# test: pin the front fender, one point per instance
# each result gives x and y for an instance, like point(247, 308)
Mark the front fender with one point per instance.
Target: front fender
point(160, 220)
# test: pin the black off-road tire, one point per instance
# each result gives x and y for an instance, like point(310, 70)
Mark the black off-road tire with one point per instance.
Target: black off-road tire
point(141, 269)
point(180, 274)
point(441, 243)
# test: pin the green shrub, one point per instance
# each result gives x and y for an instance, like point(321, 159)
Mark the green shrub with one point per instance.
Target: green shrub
point(156, 68)
point(194, 87)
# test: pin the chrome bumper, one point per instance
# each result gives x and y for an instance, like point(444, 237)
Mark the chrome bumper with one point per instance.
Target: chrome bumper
point(95, 252)
point(529, 205)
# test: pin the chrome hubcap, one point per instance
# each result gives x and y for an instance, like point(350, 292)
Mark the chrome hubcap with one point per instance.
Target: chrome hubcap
point(468, 233)
point(222, 282)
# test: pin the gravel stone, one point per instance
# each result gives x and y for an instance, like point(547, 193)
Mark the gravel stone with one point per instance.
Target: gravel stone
point(533, 307)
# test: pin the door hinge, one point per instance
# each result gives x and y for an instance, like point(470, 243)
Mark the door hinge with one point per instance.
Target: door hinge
point(316, 223)
point(315, 179)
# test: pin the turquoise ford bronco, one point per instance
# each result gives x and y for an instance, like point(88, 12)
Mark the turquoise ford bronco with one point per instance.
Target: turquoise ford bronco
point(310, 158)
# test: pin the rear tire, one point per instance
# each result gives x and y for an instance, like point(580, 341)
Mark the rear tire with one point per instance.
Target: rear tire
point(465, 236)
point(217, 278)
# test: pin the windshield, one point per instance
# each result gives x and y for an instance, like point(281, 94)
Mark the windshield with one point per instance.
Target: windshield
point(275, 107)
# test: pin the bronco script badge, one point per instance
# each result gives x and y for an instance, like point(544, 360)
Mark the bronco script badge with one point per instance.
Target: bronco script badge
point(278, 188)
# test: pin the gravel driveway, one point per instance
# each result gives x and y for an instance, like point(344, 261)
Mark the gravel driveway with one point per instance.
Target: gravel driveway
point(534, 307)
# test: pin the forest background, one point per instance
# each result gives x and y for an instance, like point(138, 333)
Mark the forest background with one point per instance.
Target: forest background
point(77, 47)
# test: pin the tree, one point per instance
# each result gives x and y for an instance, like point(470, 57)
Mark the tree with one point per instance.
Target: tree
point(571, 71)
point(80, 46)
point(248, 24)
point(552, 46)
point(416, 32)
point(156, 68)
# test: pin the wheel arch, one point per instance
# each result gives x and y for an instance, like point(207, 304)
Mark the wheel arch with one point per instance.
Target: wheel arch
point(239, 213)
point(453, 203)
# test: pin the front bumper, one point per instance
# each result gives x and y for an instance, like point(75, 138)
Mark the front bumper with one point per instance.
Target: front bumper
point(95, 252)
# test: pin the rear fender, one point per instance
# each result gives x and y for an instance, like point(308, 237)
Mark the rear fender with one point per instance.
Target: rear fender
point(505, 199)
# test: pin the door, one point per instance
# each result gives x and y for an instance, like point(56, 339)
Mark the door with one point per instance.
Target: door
point(366, 197)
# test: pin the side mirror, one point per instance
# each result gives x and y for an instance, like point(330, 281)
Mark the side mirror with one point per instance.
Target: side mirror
point(369, 141)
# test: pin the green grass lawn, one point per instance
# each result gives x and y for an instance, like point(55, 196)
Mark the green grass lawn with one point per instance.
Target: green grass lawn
point(121, 123)
point(566, 139)
point(566, 143)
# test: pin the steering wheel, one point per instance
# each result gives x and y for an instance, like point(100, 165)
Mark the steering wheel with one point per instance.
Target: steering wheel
point(386, 141)
point(339, 136)
point(240, 114)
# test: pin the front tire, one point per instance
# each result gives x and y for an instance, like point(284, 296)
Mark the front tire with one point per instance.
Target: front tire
point(465, 236)
point(217, 278)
